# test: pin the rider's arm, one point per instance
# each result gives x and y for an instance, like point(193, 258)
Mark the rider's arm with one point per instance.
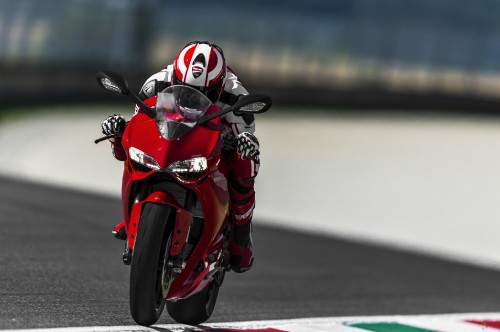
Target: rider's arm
point(113, 125)
point(156, 83)
point(237, 124)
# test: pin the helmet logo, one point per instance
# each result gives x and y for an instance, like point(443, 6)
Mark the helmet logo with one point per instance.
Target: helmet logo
point(198, 62)
point(197, 71)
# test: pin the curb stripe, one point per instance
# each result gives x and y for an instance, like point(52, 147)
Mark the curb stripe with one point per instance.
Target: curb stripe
point(389, 327)
point(237, 330)
point(486, 323)
point(446, 325)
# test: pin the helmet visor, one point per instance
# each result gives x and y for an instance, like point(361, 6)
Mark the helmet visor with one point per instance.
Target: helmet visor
point(212, 92)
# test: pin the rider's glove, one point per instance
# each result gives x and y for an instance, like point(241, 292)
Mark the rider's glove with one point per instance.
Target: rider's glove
point(248, 146)
point(114, 124)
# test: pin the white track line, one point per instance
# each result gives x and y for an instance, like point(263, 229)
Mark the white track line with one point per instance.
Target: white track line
point(441, 323)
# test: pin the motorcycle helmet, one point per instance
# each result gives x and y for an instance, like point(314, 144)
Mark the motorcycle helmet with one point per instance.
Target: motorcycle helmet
point(201, 65)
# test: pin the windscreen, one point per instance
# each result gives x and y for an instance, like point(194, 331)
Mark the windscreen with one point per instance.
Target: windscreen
point(178, 108)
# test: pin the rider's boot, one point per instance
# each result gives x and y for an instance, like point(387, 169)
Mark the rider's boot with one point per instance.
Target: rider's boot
point(240, 241)
point(119, 231)
point(240, 247)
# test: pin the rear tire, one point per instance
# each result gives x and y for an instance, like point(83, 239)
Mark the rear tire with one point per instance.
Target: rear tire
point(197, 308)
point(146, 299)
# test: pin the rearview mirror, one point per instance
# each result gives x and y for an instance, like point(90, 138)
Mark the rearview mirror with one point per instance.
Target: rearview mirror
point(252, 104)
point(113, 82)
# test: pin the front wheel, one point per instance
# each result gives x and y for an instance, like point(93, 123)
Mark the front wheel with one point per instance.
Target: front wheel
point(148, 264)
point(197, 308)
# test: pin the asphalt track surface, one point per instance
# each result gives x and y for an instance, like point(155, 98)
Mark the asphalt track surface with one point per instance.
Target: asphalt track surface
point(60, 267)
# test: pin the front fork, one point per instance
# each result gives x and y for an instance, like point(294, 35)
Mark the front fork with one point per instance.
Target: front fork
point(182, 225)
point(181, 235)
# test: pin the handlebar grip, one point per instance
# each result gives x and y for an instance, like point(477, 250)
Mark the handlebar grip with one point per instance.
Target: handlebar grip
point(229, 142)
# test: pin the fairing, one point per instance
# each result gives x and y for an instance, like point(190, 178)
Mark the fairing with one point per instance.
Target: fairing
point(142, 134)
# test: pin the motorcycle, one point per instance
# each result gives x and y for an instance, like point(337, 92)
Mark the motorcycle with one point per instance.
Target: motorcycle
point(175, 200)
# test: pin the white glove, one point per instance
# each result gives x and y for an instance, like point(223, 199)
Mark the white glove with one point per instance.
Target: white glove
point(114, 124)
point(248, 146)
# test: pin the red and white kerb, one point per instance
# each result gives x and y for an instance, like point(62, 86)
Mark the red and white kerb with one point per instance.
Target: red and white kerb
point(200, 65)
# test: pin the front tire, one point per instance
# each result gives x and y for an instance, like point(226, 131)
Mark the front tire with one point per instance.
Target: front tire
point(146, 296)
point(197, 308)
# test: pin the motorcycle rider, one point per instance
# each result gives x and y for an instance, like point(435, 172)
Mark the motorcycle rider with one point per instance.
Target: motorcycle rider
point(201, 65)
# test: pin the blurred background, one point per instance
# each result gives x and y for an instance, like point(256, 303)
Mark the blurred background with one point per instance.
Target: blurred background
point(385, 123)
point(355, 53)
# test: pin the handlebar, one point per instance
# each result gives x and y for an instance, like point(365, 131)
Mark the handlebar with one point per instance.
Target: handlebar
point(229, 141)
point(108, 137)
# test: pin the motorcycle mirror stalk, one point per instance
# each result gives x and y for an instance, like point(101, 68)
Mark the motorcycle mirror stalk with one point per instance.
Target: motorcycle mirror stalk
point(115, 83)
point(246, 104)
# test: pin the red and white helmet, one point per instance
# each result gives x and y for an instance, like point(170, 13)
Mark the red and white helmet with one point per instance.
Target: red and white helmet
point(201, 65)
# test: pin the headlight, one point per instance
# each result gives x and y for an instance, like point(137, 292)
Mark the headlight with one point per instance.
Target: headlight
point(193, 168)
point(144, 159)
point(190, 168)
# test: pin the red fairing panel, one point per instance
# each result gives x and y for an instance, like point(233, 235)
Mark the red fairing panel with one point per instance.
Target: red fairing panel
point(143, 134)
point(214, 199)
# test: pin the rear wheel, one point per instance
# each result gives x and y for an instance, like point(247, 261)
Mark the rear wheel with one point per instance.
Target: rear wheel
point(147, 271)
point(197, 308)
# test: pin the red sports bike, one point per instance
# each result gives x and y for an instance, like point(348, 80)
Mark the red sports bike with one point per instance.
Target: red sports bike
point(175, 200)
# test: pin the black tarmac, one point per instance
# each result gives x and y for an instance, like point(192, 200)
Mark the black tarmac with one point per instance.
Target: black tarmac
point(60, 267)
